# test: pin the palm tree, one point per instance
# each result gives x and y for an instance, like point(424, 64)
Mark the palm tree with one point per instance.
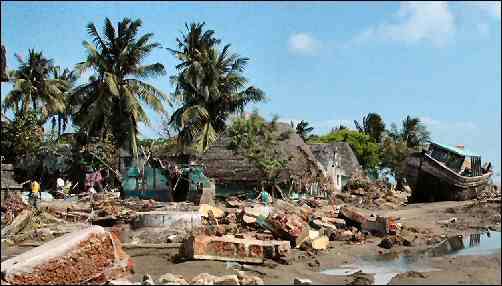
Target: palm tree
point(303, 129)
point(209, 85)
point(62, 116)
point(111, 100)
point(3, 65)
point(372, 125)
point(33, 86)
point(414, 132)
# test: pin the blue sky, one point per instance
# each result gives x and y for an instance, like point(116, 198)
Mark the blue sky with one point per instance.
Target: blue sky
point(327, 63)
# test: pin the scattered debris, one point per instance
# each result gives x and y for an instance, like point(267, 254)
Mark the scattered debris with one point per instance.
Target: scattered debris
point(90, 255)
point(300, 281)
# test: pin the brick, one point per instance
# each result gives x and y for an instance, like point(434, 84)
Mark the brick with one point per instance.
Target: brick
point(224, 248)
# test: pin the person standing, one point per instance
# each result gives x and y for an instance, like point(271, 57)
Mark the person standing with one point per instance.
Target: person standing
point(265, 197)
point(35, 192)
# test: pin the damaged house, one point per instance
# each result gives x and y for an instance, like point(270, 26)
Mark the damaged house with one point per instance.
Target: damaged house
point(338, 160)
point(234, 173)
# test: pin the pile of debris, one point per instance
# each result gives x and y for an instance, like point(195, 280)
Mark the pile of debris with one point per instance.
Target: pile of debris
point(490, 193)
point(361, 192)
point(91, 255)
point(12, 206)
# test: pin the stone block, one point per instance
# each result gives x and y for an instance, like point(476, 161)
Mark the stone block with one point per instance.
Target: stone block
point(226, 248)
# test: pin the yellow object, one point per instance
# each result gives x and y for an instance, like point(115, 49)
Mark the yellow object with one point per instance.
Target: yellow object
point(204, 209)
point(35, 187)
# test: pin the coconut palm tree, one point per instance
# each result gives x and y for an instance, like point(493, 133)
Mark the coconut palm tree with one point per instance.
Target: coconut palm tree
point(303, 129)
point(61, 117)
point(372, 125)
point(3, 66)
point(209, 85)
point(33, 87)
point(414, 132)
point(112, 99)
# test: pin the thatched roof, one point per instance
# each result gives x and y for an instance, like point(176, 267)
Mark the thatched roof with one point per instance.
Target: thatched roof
point(8, 182)
point(347, 161)
point(228, 166)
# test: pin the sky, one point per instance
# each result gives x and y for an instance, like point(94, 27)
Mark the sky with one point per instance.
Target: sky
point(328, 63)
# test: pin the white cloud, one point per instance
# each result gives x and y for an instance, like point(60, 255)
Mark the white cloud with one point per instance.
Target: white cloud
point(436, 124)
point(415, 22)
point(491, 8)
point(303, 43)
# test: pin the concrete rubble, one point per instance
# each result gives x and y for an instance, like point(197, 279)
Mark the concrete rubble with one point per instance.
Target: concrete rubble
point(90, 255)
point(239, 231)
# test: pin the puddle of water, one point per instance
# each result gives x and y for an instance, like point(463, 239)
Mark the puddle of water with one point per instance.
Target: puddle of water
point(387, 266)
point(487, 244)
point(383, 268)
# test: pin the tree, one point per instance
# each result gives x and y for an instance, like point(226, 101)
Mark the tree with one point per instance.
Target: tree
point(3, 66)
point(111, 100)
point(338, 128)
point(366, 151)
point(61, 117)
point(33, 88)
point(303, 129)
point(257, 139)
point(209, 86)
point(373, 125)
point(21, 136)
point(413, 132)
point(399, 144)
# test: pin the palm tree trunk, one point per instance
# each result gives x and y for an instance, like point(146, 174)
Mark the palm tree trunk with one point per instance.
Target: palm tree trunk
point(59, 125)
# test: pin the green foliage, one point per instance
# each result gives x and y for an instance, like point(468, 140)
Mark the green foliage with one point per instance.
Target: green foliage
point(400, 143)
point(113, 99)
point(32, 87)
point(303, 129)
point(21, 136)
point(413, 132)
point(210, 87)
point(257, 139)
point(372, 125)
point(366, 151)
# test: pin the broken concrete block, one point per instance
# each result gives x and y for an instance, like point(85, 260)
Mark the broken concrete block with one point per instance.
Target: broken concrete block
point(353, 215)
point(300, 281)
point(174, 219)
point(343, 235)
point(224, 249)
point(226, 280)
point(203, 279)
point(17, 224)
point(90, 255)
point(289, 226)
point(147, 280)
point(320, 243)
point(119, 282)
point(245, 279)
point(172, 279)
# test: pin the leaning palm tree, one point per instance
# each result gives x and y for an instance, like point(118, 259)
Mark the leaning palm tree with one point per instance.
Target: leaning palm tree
point(32, 87)
point(112, 99)
point(303, 129)
point(210, 87)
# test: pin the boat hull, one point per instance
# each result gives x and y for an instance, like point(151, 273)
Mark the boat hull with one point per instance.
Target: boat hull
point(431, 181)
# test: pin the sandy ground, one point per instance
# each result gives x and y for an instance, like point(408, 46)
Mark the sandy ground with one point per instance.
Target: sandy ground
point(419, 225)
point(421, 218)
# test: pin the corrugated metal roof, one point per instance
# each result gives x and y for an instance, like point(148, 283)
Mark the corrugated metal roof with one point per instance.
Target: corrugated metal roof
point(460, 151)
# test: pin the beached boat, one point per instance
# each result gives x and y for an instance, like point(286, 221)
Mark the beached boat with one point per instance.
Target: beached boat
point(444, 173)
